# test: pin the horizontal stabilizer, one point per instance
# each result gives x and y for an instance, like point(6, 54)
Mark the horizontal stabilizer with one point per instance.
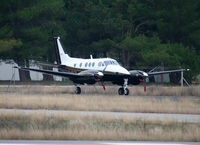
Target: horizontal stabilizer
point(47, 64)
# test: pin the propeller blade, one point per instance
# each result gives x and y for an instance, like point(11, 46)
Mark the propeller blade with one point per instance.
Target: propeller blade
point(104, 88)
point(145, 85)
point(97, 80)
point(145, 88)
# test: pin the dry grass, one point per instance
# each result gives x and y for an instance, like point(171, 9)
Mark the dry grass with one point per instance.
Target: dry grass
point(187, 105)
point(110, 90)
point(92, 127)
point(167, 91)
point(83, 127)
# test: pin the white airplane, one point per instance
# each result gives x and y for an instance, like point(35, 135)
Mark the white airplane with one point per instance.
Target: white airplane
point(91, 71)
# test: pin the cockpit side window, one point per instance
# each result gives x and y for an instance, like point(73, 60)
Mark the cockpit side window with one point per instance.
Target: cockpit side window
point(115, 62)
point(112, 62)
point(107, 63)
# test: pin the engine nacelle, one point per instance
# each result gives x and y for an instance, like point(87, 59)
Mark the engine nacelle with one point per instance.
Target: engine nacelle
point(88, 77)
point(84, 80)
point(138, 73)
point(88, 73)
point(134, 80)
point(136, 77)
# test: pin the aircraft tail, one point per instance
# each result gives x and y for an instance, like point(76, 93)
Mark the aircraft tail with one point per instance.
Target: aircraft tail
point(61, 56)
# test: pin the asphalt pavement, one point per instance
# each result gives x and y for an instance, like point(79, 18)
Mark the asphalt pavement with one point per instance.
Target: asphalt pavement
point(53, 142)
point(190, 118)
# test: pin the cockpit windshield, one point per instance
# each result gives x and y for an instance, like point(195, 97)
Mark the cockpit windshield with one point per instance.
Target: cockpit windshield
point(111, 62)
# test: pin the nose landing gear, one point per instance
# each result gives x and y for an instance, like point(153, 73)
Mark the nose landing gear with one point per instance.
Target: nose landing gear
point(124, 90)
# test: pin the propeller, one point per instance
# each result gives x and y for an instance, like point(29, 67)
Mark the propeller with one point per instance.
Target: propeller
point(104, 87)
point(145, 76)
point(145, 84)
point(102, 82)
point(98, 78)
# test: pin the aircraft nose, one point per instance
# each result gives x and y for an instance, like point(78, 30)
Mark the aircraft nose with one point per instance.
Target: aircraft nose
point(122, 70)
point(117, 69)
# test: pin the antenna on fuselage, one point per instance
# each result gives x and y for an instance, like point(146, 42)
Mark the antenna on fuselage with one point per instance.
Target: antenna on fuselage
point(91, 57)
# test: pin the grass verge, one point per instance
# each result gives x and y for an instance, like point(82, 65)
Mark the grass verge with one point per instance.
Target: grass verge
point(182, 105)
point(110, 90)
point(82, 127)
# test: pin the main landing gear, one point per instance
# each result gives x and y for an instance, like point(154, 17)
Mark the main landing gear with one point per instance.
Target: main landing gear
point(124, 90)
point(78, 90)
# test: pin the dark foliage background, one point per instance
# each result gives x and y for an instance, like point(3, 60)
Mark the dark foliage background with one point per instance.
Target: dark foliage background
point(138, 33)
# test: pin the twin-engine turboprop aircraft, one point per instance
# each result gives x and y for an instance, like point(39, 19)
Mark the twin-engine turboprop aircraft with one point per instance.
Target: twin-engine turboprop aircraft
point(91, 71)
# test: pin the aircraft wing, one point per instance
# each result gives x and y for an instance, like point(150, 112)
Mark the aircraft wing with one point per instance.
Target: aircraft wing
point(62, 74)
point(86, 73)
point(165, 72)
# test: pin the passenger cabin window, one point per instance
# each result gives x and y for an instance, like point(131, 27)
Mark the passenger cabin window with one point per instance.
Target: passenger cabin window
point(89, 64)
point(74, 65)
point(80, 64)
point(93, 64)
point(99, 64)
point(86, 64)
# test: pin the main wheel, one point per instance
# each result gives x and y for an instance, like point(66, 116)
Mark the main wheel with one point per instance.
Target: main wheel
point(78, 90)
point(126, 92)
point(121, 91)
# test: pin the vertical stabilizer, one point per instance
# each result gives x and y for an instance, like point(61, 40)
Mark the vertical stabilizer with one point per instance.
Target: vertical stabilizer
point(61, 56)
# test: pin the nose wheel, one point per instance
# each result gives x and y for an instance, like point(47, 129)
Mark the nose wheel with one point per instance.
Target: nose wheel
point(124, 90)
point(78, 90)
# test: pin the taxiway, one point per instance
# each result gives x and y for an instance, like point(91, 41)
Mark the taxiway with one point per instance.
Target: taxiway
point(190, 118)
point(53, 142)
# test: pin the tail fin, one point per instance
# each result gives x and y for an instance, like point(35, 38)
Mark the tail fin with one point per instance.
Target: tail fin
point(61, 56)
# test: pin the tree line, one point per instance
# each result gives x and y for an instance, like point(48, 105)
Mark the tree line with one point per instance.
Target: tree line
point(137, 33)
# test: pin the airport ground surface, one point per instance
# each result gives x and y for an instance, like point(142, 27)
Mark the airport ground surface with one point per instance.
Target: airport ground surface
point(56, 113)
point(187, 118)
point(18, 142)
